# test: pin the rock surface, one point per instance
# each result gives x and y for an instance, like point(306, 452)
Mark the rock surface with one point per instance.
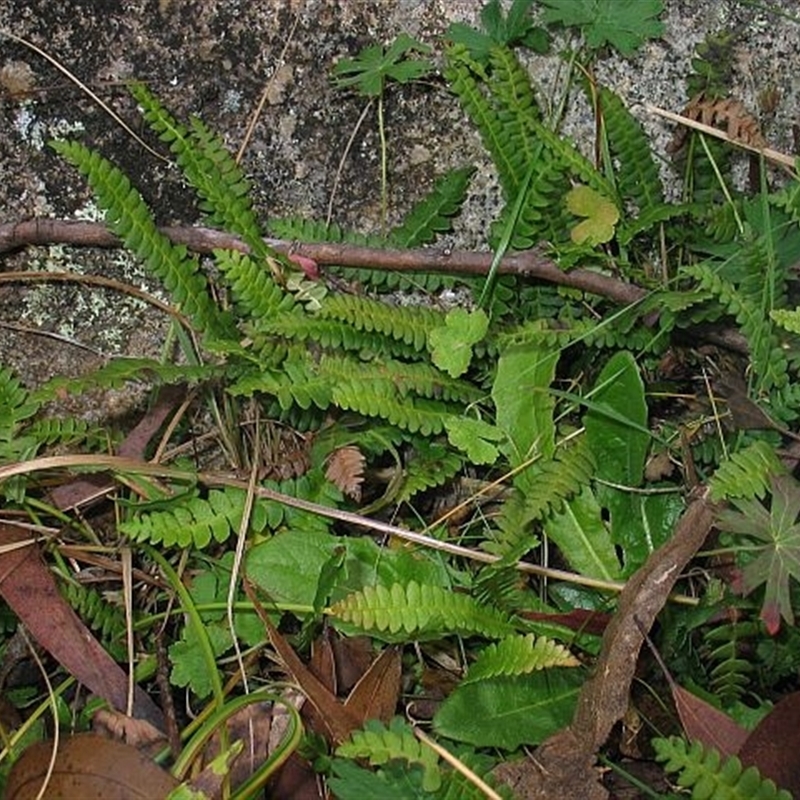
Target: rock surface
point(216, 58)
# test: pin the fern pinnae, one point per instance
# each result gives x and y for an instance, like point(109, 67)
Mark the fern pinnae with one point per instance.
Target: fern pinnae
point(712, 777)
point(747, 473)
point(433, 215)
point(420, 610)
point(131, 219)
point(519, 655)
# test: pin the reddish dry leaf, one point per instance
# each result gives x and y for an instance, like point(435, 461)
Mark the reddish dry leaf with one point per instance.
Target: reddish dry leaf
point(706, 724)
point(346, 470)
point(88, 766)
point(774, 745)
point(28, 587)
point(375, 696)
point(136, 732)
point(579, 619)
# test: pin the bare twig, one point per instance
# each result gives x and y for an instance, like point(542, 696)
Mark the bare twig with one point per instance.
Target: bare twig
point(532, 263)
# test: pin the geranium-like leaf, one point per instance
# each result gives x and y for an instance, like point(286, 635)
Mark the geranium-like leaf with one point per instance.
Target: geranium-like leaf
point(451, 344)
point(623, 24)
point(601, 216)
point(475, 438)
point(777, 538)
point(368, 71)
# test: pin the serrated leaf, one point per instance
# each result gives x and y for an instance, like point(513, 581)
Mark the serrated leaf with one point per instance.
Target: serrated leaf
point(474, 437)
point(507, 712)
point(601, 216)
point(451, 344)
point(777, 539)
point(624, 24)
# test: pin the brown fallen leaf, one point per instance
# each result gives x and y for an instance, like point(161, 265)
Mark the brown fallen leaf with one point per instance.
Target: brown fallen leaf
point(88, 766)
point(700, 720)
point(774, 745)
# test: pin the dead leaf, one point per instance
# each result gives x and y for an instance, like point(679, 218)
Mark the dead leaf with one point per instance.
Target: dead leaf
point(346, 470)
point(375, 696)
point(136, 732)
point(707, 724)
point(774, 745)
point(88, 766)
point(28, 587)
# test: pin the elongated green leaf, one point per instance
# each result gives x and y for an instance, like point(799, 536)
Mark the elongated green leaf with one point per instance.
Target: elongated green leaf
point(582, 537)
point(616, 423)
point(523, 402)
point(508, 712)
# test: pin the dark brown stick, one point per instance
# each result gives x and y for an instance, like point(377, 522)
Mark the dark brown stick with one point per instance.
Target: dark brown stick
point(531, 263)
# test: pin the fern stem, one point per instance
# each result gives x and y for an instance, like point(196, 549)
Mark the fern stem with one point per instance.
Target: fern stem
point(384, 170)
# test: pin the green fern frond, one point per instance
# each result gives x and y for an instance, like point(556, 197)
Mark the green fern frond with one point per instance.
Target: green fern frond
point(746, 473)
point(194, 521)
point(710, 776)
point(103, 617)
point(434, 214)
point(253, 288)
point(295, 382)
point(334, 334)
point(636, 174)
point(379, 744)
point(556, 481)
point(420, 611)
point(66, 431)
point(730, 675)
point(120, 371)
point(416, 415)
point(17, 404)
point(519, 655)
point(432, 464)
point(406, 324)
point(129, 217)
point(502, 107)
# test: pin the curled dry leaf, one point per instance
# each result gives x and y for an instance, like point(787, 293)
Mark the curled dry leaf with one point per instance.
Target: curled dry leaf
point(346, 470)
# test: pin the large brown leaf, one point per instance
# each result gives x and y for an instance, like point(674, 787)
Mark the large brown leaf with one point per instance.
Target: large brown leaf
point(88, 766)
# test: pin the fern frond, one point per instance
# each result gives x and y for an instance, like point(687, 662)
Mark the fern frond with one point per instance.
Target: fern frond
point(334, 334)
point(379, 744)
point(432, 464)
point(746, 473)
point(295, 382)
point(709, 776)
point(637, 174)
point(556, 481)
point(501, 105)
point(119, 371)
point(106, 619)
point(406, 324)
point(420, 611)
point(730, 675)
point(129, 217)
point(519, 655)
point(419, 378)
point(416, 415)
point(194, 521)
point(253, 288)
point(434, 213)
point(16, 402)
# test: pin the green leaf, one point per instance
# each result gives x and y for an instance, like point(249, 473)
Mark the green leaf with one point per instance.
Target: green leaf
point(616, 422)
point(522, 400)
point(624, 24)
point(582, 537)
point(507, 712)
point(777, 541)
point(370, 69)
point(601, 216)
point(451, 344)
point(474, 437)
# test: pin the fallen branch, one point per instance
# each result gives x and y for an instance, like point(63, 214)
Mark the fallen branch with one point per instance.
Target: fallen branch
point(531, 263)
